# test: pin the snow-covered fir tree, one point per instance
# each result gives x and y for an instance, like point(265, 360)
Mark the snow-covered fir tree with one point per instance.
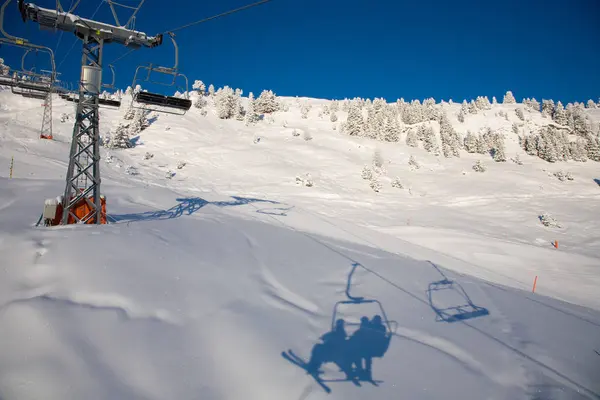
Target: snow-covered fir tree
point(430, 112)
point(334, 106)
point(129, 114)
point(391, 129)
point(251, 116)
point(498, 151)
point(478, 166)
point(509, 98)
point(411, 138)
point(211, 90)
point(534, 105)
point(225, 102)
point(305, 109)
point(519, 112)
point(449, 137)
point(333, 117)
point(560, 114)
point(354, 125)
point(414, 164)
point(473, 107)
point(200, 102)
point(494, 101)
point(593, 147)
point(483, 103)
point(577, 150)
point(578, 118)
point(430, 142)
point(547, 108)
point(120, 138)
point(266, 103)
point(590, 104)
point(461, 116)
point(482, 146)
point(200, 87)
point(471, 142)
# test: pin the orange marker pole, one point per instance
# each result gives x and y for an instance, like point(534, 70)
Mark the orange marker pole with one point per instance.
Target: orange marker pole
point(556, 244)
point(534, 284)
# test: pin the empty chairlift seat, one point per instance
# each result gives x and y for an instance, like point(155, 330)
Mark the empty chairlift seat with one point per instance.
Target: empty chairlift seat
point(154, 99)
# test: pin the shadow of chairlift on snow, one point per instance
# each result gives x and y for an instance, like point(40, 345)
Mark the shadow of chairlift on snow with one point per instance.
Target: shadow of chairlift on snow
point(597, 181)
point(186, 206)
point(444, 292)
point(351, 344)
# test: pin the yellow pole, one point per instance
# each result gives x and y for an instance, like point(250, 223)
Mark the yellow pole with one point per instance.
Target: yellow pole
point(12, 162)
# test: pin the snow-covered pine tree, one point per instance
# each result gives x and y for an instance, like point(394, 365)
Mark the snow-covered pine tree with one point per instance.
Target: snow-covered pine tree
point(267, 103)
point(354, 125)
point(478, 166)
point(590, 104)
point(251, 116)
point(471, 142)
point(509, 98)
point(593, 147)
point(461, 116)
point(534, 105)
point(411, 138)
point(304, 110)
point(473, 107)
point(519, 112)
point(494, 101)
point(450, 140)
point(129, 114)
point(200, 87)
point(498, 151)
point(333, 116)
point(482, 146)
point(515, 128)
point(577, 150)
point(120, 139)
point(211, 90)
point(559, 114)
point(225, 102)
point(579, 120)
point(200, 102)
point(430, 142)
point(483, 103)
point(414, 164)
point(547, 108)
point(429, 111)
point(392, 129)
point(334, 106)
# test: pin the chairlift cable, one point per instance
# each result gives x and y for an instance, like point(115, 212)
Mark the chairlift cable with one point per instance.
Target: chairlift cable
point(220, 15)
point(60, 36)
point(122, 56)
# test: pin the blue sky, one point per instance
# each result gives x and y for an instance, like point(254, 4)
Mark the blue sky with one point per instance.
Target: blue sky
point(337, 49)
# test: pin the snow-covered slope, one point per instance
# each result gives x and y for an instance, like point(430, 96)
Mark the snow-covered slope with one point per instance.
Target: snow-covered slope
point(206, 278)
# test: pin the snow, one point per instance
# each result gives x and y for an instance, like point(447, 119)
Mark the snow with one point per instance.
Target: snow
point(204, 279)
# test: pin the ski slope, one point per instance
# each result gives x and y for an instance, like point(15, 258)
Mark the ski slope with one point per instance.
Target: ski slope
point(203, 280)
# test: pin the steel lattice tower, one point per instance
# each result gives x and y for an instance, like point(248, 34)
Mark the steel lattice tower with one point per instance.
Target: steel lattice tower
point(83, 174)
point(46, 132)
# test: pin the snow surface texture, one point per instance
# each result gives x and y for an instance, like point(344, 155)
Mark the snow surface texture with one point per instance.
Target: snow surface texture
point(204, 279)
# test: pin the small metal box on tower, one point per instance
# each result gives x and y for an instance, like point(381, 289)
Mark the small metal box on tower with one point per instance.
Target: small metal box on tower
point(50, 207)
point(91, 78)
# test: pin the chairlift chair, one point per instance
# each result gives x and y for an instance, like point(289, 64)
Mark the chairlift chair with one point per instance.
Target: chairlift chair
point(159, 102)
point(110, 102)
point(380, 350)
point(28, 83)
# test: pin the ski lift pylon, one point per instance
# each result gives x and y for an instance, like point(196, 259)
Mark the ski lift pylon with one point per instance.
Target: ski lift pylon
point(156, 101)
